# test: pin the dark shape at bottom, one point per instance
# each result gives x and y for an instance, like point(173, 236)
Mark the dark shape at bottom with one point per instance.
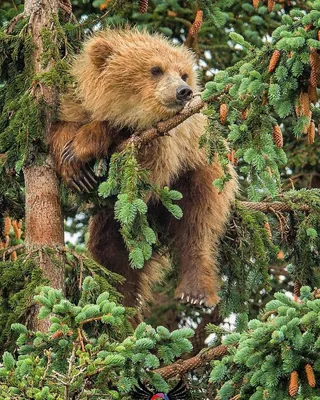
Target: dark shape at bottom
point(179, 392)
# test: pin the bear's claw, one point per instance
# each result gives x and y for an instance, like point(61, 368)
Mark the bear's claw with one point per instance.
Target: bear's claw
point(196, 299)
point(84, 180)
point(67, 155)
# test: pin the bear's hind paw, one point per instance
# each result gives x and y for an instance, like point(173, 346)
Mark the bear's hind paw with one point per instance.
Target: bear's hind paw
point(197, 299)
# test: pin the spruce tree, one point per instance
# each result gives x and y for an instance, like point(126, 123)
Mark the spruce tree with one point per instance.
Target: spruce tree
point(63, 331)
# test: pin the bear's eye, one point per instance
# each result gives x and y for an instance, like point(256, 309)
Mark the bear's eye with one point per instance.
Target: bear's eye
point(184, 77)
point(156, 71)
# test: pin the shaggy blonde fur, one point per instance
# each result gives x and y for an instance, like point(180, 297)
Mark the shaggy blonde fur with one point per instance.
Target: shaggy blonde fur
point(115, 93)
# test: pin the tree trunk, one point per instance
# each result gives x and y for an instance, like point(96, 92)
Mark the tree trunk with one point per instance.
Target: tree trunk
point(44, 221)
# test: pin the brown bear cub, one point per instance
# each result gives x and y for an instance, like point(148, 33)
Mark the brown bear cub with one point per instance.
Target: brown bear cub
point(126, 80)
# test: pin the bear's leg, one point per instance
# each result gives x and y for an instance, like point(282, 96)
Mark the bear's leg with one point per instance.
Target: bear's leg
point(196, 236)
point(73, 145)
point(107, 247)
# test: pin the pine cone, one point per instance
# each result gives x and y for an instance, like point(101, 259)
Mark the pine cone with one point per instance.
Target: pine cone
point(104, 5)
point(298, 110)
point(143, 6)
point(318, 35)
point(296, 289)
point(277, 136)
point(16, 229)
point(310, 376)
point(294, 384)
point(311, 133)
point(308, 27)
point(244, 114)
point(305, 103)
point(271, 4)
point(255, 3)
point(307, 125)
point(7, 225)
point(312, 92)
point(223, 113)
point(315, 67)
point(171, 13)
point(57, 334)
point(313, 78)
point(267, 227)
point(274, 60)
point(314, 59)
point(195, 27)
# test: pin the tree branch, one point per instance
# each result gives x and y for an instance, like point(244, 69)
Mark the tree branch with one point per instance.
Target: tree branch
point(163, 128)
point(275, 206)
point(7, 251)
point(181, 367)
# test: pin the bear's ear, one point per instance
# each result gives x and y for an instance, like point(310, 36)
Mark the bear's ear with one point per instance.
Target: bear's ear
point(99, 52)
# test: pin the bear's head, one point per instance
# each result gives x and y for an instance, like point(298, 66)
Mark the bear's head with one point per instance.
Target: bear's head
point(133, 78)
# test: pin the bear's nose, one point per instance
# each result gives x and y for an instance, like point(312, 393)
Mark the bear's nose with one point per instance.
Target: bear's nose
point(184, 92)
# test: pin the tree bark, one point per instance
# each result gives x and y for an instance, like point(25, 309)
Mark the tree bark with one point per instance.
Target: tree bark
point(43, 218)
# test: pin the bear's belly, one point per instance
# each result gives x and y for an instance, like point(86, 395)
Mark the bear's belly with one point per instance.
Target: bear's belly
point(169, 157)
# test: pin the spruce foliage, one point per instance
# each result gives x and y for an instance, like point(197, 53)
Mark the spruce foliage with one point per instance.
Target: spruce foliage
point(81, 361)
point(262, 358)
point(261, 70)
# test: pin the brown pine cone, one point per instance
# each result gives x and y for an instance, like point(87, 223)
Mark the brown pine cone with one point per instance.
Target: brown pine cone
point(195, 27)
point(7, 225)
point(304, 104)
point(313, 78)
point(267, 227)
point(255, 3)
point(274, 60)
point(307, 125)
point(311, 133)
point(104, 5)
point(315, 67)
point(244, 114)
point(312, 92)
point(296, 289)
point(57, 334)
point(294, 383)
point(143, 6)
point(271, 4)
point(223, 113)
point(310, 376)
point(277, 136)
point(298, 110)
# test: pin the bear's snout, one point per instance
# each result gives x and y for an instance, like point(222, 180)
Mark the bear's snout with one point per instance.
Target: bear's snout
point(184, 93)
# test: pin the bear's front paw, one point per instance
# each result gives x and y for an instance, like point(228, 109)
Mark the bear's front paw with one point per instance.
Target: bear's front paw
point(197, 296)
point(78, 175)
point(83, 180)
point(67, 155)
